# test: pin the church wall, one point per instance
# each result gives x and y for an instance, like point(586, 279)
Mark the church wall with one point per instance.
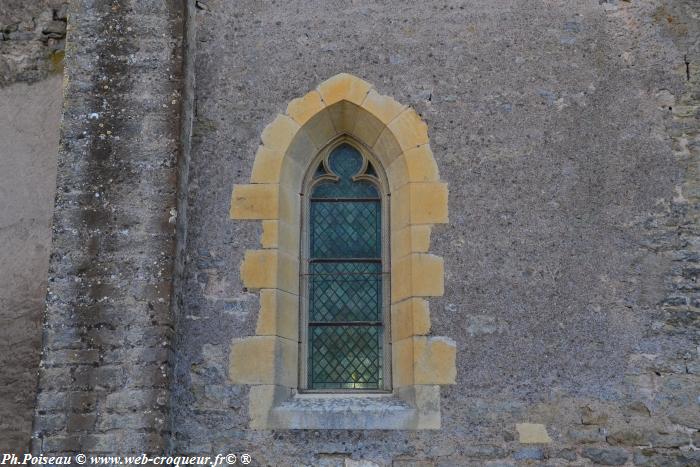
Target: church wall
point(565, 133)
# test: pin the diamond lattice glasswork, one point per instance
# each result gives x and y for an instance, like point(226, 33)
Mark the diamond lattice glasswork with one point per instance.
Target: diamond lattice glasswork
point(345, 346)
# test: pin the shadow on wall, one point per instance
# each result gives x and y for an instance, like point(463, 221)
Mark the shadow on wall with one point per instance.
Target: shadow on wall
point(29, 130)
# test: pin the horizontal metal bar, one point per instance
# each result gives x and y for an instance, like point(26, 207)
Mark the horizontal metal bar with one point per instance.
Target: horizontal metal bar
point(311, 274)
point(345, 260)
point(343, 200)
point(345, 323)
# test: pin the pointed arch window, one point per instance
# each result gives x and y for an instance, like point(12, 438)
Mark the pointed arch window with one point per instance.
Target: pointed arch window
point(345, 346)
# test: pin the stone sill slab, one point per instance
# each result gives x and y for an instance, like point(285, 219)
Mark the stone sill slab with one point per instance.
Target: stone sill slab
point(349, 412)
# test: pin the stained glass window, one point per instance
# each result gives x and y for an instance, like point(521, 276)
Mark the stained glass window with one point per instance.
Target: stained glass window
point(345, 294)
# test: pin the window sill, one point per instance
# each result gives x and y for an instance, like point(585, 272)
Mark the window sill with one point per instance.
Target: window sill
point(410, 408)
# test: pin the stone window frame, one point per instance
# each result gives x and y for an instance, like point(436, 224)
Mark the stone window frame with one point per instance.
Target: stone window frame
point(382, 185)
point(343, 105)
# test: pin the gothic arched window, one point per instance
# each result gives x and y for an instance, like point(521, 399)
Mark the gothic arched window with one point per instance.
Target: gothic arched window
point(344, 275)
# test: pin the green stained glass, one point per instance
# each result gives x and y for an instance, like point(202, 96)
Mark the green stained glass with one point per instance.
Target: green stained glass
point(345, 348)
point(350, 229)
point(345, 357)
point(345, 292)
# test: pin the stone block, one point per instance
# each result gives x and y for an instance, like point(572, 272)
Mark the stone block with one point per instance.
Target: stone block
point(421, 165)
point(288, 238)
point(410, 318)
point(532, 433)
point(289, 205)
point(612, 456)
point(302, 109)
point(279, 134)
point(270, 235)
point(434, 360)
point(586, 435)
point(279, 314)
point(288, 273)
point(384, 108)
point(367, 127)
point(344, 86)
point(427, 275)
point(259, 269)
point(299, 151)
point(263, 360)
point(670, 440)
point(424, 361)
point(258, 201)
point(402, 362)
point(320, 128)
point(409, 130)
point(387, 148)
point(417, 275)
point(266, 166)
point(261, 400)
point(629, 437)
point(593, 417)
point(428, 203)
point(419, 203)
point(410, 239)
point(529, 454)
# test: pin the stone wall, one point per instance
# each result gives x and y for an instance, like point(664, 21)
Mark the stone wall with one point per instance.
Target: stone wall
point(106, 346)
point(32, 39)
point(31, 51)
point(566, 133)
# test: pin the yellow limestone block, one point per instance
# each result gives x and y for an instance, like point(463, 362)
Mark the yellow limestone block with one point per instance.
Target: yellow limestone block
point(263, 360)
point(343, 86)
point(288, 239)
point(385, 108)
point(290, 205)
point(288, 270)
point(303, 108)
point(532, 433)
point(421, 165)
point(397, 173)
point(270, 235)
point(402, 362)
point(428, 203)
point(320, 128)
point(410, 239)
point(343, 115)
point(278, 134)
point(279, 314)
point(258, 201)
point(267, 165)
point(386, 147)
point(417, 275)
point(424, 360)
point(434, 360)
point(367, 127)
point(410, 318)
point(427, 275)
point(408, 128)
point(259, 269)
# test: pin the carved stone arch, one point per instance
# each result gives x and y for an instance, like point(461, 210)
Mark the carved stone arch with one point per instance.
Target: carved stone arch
point(343, 105)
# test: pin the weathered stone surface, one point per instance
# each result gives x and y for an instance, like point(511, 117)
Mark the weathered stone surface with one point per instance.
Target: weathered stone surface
point(612, 456)
point(593, 417)
point(114, 225)
point(629, 437)
point(586, 435)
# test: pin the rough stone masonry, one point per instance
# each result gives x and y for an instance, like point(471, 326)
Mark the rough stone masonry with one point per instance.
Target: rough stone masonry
point(567, 133)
